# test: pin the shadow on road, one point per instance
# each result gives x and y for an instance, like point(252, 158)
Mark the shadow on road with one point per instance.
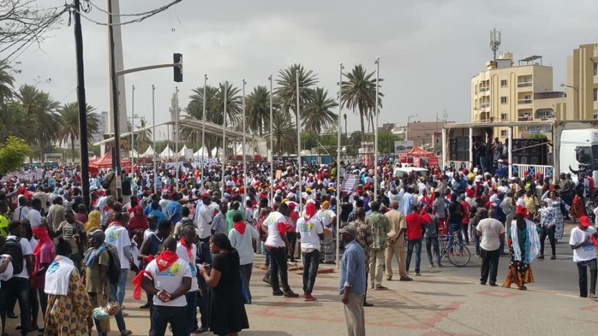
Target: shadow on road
point(265, 333)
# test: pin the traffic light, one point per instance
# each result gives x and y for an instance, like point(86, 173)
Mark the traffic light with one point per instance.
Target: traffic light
point(178, 68)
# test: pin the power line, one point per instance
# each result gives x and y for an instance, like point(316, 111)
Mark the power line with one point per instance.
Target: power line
point(152, 12)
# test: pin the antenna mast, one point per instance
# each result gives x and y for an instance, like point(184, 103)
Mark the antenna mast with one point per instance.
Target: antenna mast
point(494, 42)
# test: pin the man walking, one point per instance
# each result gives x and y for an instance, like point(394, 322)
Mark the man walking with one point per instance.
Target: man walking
point(310, 231)
point(380, 229)
point(415, 227)
point(277, 245)
point(353, 281)
point(396, 242)
point(584, 255)
point(492, 232)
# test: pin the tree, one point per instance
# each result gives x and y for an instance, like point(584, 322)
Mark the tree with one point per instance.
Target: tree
point(23, 22)
point(386, 141)
point(359, 94)
point(6, 80)
point(284, 132)
point(43, 108)
point(69, 124)
point(318, 113)
point(286, 92)
point(143, 138)
point(14, 121)
point(258, 110)
point(12, 154)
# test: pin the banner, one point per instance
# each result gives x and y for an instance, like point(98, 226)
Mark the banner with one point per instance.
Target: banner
point(350, 183)
point(403, 146)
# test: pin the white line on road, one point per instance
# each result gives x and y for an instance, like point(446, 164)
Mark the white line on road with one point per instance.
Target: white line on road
point(567, 295)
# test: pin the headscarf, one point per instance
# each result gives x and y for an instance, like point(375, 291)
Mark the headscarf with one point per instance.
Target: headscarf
point(310, 210)
point(41, 232)
point(93, 221)
point(325, 205)
point(521, 210)
point(138, 221)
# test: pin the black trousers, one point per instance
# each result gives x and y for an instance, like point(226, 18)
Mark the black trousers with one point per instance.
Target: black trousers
point(278, 266)
point(548, 232)
point(583, 277)
point(311, 262)
point(489, 265)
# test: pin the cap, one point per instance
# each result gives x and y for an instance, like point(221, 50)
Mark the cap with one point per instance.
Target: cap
point(351, 230)
point(585, 221)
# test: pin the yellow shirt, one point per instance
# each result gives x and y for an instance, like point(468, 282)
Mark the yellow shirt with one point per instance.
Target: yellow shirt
point(530, 203)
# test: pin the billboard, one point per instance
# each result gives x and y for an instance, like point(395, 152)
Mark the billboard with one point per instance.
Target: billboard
point(403, 146)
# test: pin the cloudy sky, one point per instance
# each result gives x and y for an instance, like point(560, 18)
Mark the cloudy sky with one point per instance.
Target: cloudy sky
point(428, 49)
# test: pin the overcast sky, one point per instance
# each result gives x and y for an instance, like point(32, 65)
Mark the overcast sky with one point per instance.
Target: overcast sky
point(428, 49)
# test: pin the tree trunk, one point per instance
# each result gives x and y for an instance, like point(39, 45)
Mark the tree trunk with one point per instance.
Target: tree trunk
point(73, 147)
point(362, 127)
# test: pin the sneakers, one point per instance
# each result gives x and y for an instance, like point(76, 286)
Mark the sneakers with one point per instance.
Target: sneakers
point(405, 278)
point(432, 265)
point(278, 293)
point(592, 296)
point(418, 274)
point(290, 294)
point(553, 257)
point(309, 297)
point(380, 287)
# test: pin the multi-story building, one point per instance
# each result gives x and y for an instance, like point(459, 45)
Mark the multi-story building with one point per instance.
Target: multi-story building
point(102, 127)
point(582, 83)
point(515, 92)
point(425, 134)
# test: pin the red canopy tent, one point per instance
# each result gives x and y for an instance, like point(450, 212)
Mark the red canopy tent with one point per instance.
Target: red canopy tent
point(105, 162)
point(417, 153)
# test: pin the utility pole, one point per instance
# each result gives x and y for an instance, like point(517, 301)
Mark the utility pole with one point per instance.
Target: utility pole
point(115, 114)
point(82, 106)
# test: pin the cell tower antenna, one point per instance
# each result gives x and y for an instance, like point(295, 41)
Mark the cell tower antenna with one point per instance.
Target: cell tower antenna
point(494, 42)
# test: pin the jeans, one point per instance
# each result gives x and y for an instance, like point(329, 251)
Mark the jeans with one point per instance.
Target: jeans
point(118, 293)
point(548, 231)
point(417, 243)
point(466, 232)
point(433, 242)
point(163, 315)
point(292, 237)
point(278, 266)
point(455, 227)
point(311, 262)
point(190, 310)
point(246, 271)
point(583, 277)
point(476, 240)
point(489, 265)
point(267, 262)
point(19, 288)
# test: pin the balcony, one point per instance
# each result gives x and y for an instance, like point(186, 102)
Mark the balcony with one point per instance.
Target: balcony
point(525, 117)
point(485, 106)
point(524, 84)
point(484, 89)
point(524, 101)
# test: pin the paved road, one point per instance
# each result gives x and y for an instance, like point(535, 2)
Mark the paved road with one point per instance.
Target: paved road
point(446, 301)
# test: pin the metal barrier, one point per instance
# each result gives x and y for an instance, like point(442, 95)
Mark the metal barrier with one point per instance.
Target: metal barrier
point(520, 169)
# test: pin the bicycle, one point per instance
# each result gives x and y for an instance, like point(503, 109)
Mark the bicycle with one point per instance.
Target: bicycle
point(458, 256)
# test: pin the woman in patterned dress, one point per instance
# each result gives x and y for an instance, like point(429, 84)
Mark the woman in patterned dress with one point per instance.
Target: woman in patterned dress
point(524, 245)
point(69, 310)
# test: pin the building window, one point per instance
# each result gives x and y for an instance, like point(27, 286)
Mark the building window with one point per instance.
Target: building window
point(504, 83)
point(503, 116)
point(503, 100)
point(595, 69)
point(595, 116)
point(503, 133)
point(595, 94)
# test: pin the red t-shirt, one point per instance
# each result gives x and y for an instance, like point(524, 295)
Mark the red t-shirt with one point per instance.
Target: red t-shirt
point(414, 226)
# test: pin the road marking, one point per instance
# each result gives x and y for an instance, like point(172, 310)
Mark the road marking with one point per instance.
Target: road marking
point(567, 295)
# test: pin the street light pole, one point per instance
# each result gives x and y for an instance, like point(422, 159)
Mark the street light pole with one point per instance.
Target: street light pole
point(576, 89)
point(297, 73)
point(133, 116)
point(271, 144)
point(155, 181)
point(243, 151)
point(224, 137)
point(203, 131)
point(176, 138)
point(338, 164)
point(377, 62)
point(407, 128)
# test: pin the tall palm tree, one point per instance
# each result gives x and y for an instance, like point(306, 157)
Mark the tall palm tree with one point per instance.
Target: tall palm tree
point(69, 124)
point(359, 94)
point(258, 110)
point(14, 121)
point(318, 113)
point(143, 138)
point(286, 91)
point(284, 132)
point(40, 105)
point(6, 82)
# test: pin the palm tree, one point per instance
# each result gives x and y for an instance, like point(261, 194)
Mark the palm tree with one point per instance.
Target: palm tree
point(317, 112)
point(40, 105)
point(143, 137)
point(359, 94)
point(258, 110)
point(14, 121)
point(6, 82)
point(69, 126)
point(284, 132)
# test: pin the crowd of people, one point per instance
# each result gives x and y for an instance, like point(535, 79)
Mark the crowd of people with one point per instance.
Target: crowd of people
point(188, 239)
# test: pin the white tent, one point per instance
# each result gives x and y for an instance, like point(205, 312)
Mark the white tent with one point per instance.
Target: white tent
point(216, 150)
point(202, 152)
point(167, 153)
point(149, 152)
point(248, 149)
point(182, 152)
point(133, 153)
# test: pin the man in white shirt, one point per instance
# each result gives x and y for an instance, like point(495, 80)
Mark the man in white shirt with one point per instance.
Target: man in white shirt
point(243, 238)
point(277, 245)
point(584, 255)
point(118, 236)
point(168, 278)
point(204, 219)
point(492, 232)
point(310, 231)
point(34, 215)
point(22, 210)
point(186, 251)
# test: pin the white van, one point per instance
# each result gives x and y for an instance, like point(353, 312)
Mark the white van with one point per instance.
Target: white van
point(577, 147)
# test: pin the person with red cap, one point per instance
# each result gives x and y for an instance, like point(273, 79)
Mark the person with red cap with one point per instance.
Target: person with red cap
point(582, 242)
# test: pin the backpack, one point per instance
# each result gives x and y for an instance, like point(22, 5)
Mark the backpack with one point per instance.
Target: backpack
point(13, 249)
point(113, 271)
point(106, 183)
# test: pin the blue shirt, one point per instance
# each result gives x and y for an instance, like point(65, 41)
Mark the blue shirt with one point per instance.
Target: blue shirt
point(174, 211)
point(160, 216)
point(407, 203)
point(353, 269)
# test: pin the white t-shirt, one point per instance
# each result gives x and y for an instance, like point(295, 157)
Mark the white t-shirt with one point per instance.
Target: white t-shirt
point(119, 237)
point(181, 251)
point(20, 213)
point(26, 248)
point(170, 280)
point(7, 274)
point(272, 223)
point(491, 230)
point(325, 216)
point(244, 243)
point(587, 251)
point(309, 231)
point(204, 221)
point(34, 217)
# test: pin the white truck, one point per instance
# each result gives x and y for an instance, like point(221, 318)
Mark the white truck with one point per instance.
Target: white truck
point(573, 145)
